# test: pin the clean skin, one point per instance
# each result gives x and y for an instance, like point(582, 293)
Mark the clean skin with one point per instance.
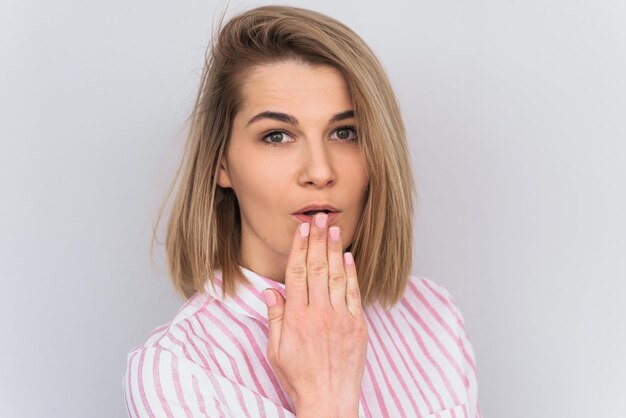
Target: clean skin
point(303, 151)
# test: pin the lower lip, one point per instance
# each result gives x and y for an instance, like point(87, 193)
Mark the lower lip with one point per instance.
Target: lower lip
point(332, 216)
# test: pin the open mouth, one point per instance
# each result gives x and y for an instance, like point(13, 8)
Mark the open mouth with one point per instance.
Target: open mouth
point(313, 212)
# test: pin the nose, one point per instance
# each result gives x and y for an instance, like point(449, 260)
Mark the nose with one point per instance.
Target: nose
point(318, 168)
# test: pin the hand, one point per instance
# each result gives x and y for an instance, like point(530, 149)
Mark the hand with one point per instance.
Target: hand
point(317, 341)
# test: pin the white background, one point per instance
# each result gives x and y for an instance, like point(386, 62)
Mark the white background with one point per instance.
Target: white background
point(516, 113)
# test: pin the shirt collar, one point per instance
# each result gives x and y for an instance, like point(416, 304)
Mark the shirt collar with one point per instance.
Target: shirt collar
point(249, 300)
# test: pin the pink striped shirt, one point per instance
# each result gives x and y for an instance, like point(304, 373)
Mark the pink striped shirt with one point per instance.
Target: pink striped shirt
point(210, 360)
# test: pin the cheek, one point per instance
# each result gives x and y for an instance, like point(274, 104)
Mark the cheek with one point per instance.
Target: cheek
point(259, 184)
point(356, 171)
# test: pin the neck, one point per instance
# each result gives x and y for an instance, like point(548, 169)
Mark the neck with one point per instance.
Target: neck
point(262, 259)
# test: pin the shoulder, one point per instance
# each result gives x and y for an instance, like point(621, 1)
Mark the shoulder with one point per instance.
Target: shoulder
point(176, 333)
point(431, 314)
point(169, 346)
point(159, 382)
point(432, 297)
point(422, 284)
point(165, 377)
point(437, 317)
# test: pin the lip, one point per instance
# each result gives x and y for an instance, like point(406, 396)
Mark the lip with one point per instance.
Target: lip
point(317, 206)
point(332, 217)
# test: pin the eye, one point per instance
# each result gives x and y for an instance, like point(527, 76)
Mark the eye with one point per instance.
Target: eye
point(275, 138)
point(345, 133)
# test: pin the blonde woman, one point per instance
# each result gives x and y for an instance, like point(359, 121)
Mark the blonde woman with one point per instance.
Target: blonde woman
point(290, 236)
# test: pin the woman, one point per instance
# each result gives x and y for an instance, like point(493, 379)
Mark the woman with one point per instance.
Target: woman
point(297, 153)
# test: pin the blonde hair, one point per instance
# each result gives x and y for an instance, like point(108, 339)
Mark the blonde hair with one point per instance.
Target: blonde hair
point(204, 228)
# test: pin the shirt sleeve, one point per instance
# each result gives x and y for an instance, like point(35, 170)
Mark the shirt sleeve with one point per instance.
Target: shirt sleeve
point(464, 352)
point(469, 363)
point(159, 384)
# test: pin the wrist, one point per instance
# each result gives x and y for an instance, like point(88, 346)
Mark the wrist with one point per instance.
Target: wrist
point(327, 407)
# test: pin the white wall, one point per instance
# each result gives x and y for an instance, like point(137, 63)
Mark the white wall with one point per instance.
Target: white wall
point(516, 113)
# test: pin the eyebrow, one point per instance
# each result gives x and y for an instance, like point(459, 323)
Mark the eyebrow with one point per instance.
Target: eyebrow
point(284, 117)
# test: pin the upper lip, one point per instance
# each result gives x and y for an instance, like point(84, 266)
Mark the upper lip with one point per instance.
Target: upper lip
point(316, 206)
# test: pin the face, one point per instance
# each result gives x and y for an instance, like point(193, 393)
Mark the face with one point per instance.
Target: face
point(293, 144)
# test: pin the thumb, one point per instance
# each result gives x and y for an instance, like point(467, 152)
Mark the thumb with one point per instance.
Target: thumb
point(275, 309)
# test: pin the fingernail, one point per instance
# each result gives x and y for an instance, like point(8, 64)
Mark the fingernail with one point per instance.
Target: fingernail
point(270, 297)
point(347, 257)
point(304, 229)
point(320, 220)
point(333, 231)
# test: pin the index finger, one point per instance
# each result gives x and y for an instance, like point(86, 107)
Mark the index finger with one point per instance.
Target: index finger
point(296, 293)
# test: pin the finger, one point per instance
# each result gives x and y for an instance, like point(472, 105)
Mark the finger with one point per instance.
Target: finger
point(275, 313)
point(353, 293)
point(336, 272)
point(295, 273)
point(317, 262)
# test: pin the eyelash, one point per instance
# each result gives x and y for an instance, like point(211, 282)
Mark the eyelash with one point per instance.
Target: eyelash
point(273, 144)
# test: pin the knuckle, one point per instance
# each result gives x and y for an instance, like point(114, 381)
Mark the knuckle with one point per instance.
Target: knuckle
point(301, 245)
point(326, 322)
point(346, 326)
point(320, 324)
point(273, 317)
point(335, 245)
point(336, 280)
point(318, 268)
point(353, 293)
point(318, 238)
point(297, 272)
point(361, 330)
point(364, 336)
point(294, 319)
point(356, 329)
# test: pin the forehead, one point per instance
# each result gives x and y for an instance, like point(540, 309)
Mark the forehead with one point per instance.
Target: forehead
point(295, 87)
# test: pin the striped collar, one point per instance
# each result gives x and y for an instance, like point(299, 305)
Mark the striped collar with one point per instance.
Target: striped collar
point(249, 300)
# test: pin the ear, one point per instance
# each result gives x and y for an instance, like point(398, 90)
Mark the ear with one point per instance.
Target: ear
point(223, 178)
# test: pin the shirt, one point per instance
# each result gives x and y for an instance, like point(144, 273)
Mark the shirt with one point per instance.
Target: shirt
point(210, 360)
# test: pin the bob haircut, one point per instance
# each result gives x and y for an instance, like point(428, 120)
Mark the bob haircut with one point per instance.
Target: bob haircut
point(204, 227)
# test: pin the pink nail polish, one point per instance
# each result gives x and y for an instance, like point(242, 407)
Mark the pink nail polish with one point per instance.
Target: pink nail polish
point(320, 220)
point(347, 257)
point(270, 297)
point(304, 229)
point(333, 231)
